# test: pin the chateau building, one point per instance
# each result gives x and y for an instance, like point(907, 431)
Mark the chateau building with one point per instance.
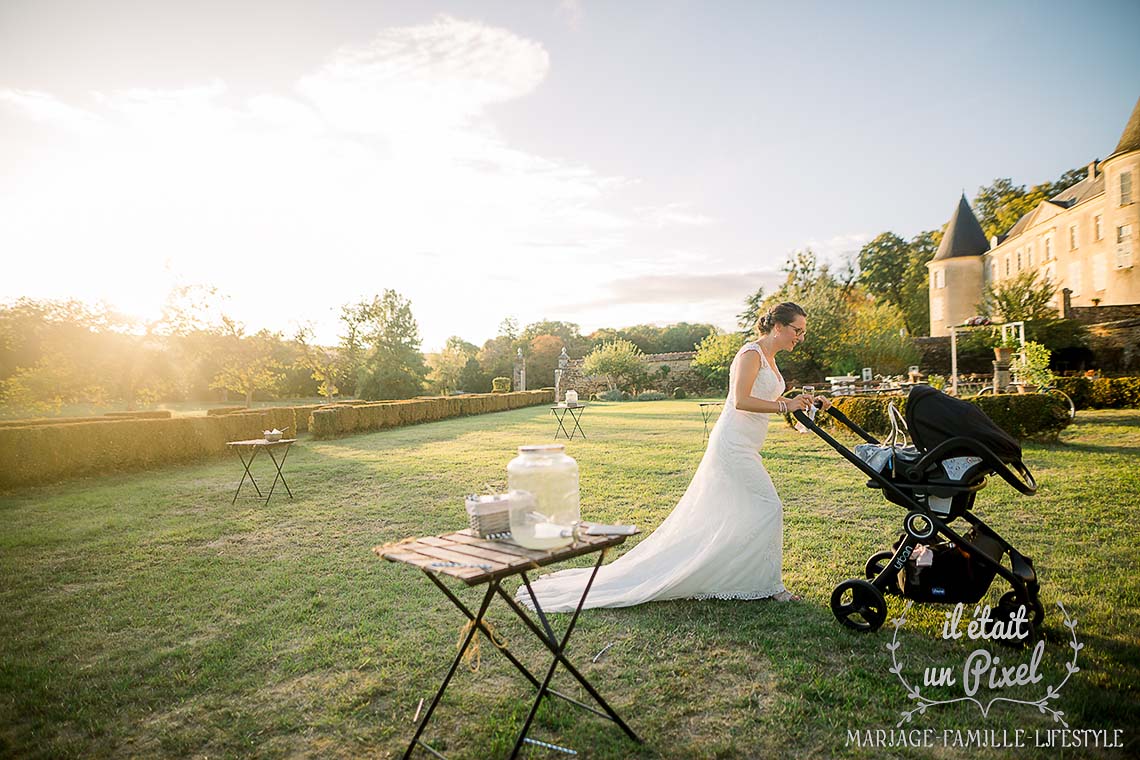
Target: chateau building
point(1082, 240)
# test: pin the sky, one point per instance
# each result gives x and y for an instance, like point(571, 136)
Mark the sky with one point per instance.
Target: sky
point(603, 163)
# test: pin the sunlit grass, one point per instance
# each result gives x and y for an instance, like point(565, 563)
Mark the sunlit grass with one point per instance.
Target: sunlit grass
point(144, 615)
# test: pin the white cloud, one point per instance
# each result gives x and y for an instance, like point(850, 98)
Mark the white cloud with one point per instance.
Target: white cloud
point(384, 168)
point(434, 77)
point(675, 214)
point(45, 108)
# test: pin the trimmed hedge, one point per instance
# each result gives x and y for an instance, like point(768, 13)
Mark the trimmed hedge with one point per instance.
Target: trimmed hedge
point(155, 415)
point(1028, 415)
point(1101, 392)
point(226, 410)
point(45, 451)
point(337, 420)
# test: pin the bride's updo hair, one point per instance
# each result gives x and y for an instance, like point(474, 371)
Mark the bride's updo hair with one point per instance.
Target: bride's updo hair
point(784, 314)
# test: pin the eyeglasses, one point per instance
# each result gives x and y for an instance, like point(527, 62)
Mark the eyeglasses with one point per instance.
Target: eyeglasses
point(800, 332)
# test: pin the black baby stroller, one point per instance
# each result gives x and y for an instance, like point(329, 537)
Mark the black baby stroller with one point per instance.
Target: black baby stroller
point(955, 448)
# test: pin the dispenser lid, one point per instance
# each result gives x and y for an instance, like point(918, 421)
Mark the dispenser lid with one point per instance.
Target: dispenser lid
point(549, 448)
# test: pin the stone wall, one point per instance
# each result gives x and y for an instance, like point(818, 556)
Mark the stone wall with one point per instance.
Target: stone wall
point(680, 375)
point(1116, 345)
point(1094, 315)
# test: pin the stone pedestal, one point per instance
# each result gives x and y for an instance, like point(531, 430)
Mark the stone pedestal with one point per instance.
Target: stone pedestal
point(1001, 375)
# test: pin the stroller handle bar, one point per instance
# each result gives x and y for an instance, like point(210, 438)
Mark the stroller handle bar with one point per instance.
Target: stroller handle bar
point(1023, 481)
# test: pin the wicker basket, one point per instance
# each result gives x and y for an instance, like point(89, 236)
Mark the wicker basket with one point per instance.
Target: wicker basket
point(490, 516)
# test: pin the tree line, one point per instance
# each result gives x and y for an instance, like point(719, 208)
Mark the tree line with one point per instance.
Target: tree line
point(63, 353)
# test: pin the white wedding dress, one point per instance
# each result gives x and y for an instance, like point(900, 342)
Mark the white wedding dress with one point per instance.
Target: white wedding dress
point(723, 540)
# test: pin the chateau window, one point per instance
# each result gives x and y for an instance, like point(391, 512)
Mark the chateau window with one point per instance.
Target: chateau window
point(1125, 188)
point(1019, 261)
point(1124, 246)
point(1007, 265)
point(1075, 277)
point(1099, 227)
point(1048, 249)
point(939, 279)
point(1073, 237)
point(1100, 272)
point(936, 312)
point(1029, 254)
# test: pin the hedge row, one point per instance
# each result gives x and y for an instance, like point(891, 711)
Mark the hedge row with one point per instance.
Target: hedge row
point(42, 452)
point(1101, 392)
point(342, 419)
point(1029, 415)
point(47, 453)
point(157, 415)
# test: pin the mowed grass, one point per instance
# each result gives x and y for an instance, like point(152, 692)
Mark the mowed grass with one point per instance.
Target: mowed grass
point(143, 615)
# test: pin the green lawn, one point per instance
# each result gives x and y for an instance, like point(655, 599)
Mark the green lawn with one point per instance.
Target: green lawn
point(143, 615)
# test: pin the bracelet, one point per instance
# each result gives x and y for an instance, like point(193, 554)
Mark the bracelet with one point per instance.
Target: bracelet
point(783, 406)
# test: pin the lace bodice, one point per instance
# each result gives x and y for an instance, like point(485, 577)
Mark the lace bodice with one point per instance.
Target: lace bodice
point(769, 384)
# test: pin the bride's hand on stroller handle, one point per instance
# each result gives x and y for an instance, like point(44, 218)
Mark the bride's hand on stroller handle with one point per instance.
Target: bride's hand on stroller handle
point(800, 403)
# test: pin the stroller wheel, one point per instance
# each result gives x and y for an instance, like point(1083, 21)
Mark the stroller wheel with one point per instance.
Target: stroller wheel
point(1008, 605)
point(859, 605)
point(875, 565)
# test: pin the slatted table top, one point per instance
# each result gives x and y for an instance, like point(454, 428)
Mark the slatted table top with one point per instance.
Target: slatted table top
point(261, 442)
point(501, 558)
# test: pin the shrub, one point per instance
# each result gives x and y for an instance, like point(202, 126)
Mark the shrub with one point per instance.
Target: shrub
point(619, 361)
point(611, 395)
point(679, 393)
point(1101, 392)
point(1028, 415)
point(651, 396)
point(501, 385)
point(714, 355)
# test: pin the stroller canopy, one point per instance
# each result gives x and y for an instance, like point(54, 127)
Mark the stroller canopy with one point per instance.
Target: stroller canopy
point(933, 417)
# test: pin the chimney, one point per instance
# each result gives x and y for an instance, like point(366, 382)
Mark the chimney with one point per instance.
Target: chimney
point(1092, 170)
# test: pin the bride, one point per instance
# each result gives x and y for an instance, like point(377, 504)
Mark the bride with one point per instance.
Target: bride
point(724, 539)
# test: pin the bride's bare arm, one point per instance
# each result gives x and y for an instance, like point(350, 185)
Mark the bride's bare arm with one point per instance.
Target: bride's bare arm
point(749, 368)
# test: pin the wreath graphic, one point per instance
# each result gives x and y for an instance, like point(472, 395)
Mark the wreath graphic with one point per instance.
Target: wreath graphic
point(1042, 704)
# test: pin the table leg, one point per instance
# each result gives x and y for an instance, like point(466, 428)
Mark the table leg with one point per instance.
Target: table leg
point(578, 427)
point(558, 650)
point(561, 428)
point(280, 475)
point(247, 473)
point(454, 665)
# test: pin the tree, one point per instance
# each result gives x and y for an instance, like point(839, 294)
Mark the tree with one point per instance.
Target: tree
point(1027, 296)
point(248, 365)
point(473, 378)
point(828, 299)
point(748, 318)
point(875, 337)
point(1000, 204)
point(714, 356)
point(619, 361)
point(683, 336)
point(894, 271)
point(509, 327)
point(448, 365)
point(393, 367)
point(325, 366)
point(542, 359)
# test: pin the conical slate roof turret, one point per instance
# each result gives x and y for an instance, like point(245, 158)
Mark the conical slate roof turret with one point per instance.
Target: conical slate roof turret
point(1130, 140)
point(964, 236)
